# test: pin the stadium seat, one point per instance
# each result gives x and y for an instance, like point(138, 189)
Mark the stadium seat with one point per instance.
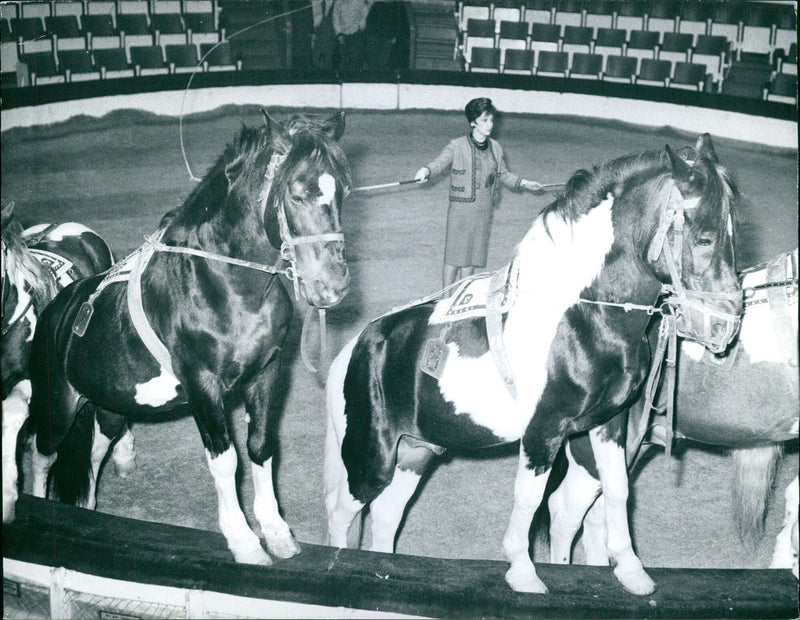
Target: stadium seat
point(552, 64)
point(688, 76)
point(148, 60)
point(788, 63)
point(182, 58)
point(39, 10)
point(785, 27)
point(609, 42)
point(631, 16)
point(100, 31)
point(472, 10)
point(586, 66)
point(168, 29)
point(544, 38)
point(538, 12)
point(675, 47)
point(8, 63)
point(600, 13)
point(642, 44)
point(200, 28)
point(135, 31)
point(479, 33)
point(620, 69)
point(9, 10)
point(5, 32)
point(654, 72)
point(757, 26)
point(113, 63)
point(712, 52)
point(513, 35)
point(783, 88)
point(569, 12)
point(66, 32)
point(695, 18)
point(219, 57)
point(68, 7)
point(485, 60)
point(42, 68)
point(519, 62)
point(31, 35)
point(577, 39)
point(727, 20)
point(77, 65)
point(663, 17)
point(506, 11)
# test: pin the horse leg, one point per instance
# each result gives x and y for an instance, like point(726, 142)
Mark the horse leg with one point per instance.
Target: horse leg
point(40, 469)
point(611, 464)
point(594, 534)
point(205, 398)
point(568, 505)
point(529, 488)
point(107, 427)
point(124, 454)
point(786, 543)
point(15, 412)
point(387, 509)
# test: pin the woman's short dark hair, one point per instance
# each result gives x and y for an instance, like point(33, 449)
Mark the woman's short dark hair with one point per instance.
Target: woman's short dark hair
point(478, 106)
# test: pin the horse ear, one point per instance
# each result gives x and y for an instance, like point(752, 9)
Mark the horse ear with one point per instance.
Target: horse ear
point(334, 126)
point(7, 207)
point(276, 133)
point(705, 148)
point(681, 171)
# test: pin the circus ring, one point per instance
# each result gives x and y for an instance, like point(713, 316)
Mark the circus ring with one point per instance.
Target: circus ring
point(114, 162)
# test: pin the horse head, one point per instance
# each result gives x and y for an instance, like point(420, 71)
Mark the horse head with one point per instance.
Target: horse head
point(698, 247)
point(302, 192)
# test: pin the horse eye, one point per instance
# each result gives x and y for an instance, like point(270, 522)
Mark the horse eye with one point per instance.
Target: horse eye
point(705, 242)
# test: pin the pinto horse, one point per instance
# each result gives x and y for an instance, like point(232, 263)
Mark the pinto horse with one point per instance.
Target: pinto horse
point(199, 320)
point(746, 400)
point(37, 263)
point(560, 349)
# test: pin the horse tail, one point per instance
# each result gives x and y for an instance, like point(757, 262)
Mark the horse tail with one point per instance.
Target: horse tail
point(70, 476)
point(754, 475)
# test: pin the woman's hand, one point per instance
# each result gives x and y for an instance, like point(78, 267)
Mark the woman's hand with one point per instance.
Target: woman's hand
point(422, 174)
point(531, 186)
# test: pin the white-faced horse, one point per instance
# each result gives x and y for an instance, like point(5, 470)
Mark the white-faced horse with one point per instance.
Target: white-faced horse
point(746, 400)
point(198, 317)
point(551, 345)
point(37, 263)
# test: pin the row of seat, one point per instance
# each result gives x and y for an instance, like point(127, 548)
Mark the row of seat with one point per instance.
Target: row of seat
point(622, 69)
point(110, 63)
point(751, 27)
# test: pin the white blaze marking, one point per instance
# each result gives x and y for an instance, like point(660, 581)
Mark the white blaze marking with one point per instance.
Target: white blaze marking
point(327, 185)
point(70, 229)
point(554, 269)
point(158, 391)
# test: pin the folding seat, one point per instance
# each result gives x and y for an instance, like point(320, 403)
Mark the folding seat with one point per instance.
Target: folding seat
point(676, 47)
point(77, 65)
point(100, 31)
point(788, 62)
point(688, 76)
point(472, 10)
point(785, 27)
point(5, 32)
point(68, 7)
point(663, 17)
point(783, 88)
point(631, 15)
point(480, 33)
point(620, 69)
point(31, 36)
point(569, 12)
point(642, 44)
point(519, 62)
point(219, 57)
point(66, 32)
point(577, 39)
point(506, 11)
point(101, 7)
point(695, 18)
point(182, 58)
point(552, 64)
point(513, 35)
point(484, 60)
point(168, 29)
point(600, 13)
point(36, 9)
point(544, 38)
point(200, 28)
point(586, 66)
point(609, 42)
point(135, 31)
point(113, 63)
point(42, 68)
point(8, 63)
point(9, 11)
point(711, 51)
point(127, 7)
point(757, 26)
point(654, 72)
point(148, 60)
point(539, 12)
point(727, 21)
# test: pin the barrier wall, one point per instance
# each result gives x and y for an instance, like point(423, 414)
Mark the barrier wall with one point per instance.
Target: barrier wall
point(737, 125)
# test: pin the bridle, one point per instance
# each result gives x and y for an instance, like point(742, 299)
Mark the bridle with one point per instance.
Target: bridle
point(20, 310)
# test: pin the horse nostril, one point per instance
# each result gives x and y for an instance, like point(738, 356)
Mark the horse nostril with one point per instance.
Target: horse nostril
point(717, 330)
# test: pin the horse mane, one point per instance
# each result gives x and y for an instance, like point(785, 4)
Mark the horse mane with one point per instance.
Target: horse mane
point(312, 141)
point(37, 276)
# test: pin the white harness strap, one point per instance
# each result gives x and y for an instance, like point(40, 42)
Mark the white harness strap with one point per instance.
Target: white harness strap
point(498, 286)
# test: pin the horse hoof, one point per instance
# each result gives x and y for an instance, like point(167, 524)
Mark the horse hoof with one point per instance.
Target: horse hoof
point(282, 546)
point(125, 469)
point(636, 582)
point(525, 580)
point(252, 556)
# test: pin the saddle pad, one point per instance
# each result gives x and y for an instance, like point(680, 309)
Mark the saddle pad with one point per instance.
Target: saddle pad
point(62, 268)
point(469, 300)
